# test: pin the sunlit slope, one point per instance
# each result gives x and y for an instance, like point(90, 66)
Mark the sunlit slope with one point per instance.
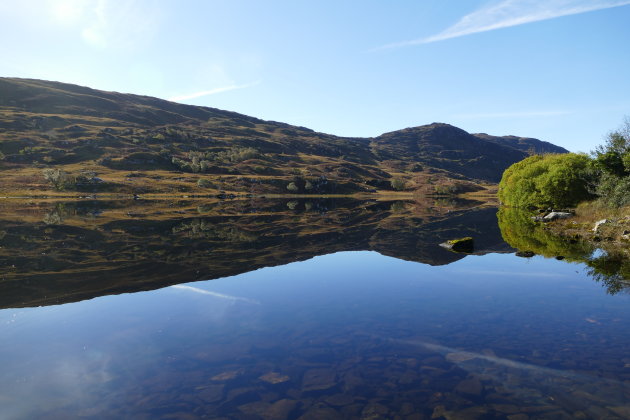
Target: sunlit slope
point(98, 137)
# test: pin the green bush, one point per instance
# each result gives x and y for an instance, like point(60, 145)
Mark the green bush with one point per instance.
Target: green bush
point(613, 190)
point(292, 187)
point(204, 183)
point(560, 180)
point(398, 184)
point(57, 178)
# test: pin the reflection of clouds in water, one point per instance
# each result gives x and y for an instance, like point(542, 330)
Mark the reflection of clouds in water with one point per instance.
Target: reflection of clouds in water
point(546, 381)
point(460, 357)
point(57, 384)
point(512, 273)
point(215, 294)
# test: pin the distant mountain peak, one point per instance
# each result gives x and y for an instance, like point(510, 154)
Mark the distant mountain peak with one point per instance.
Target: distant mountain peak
point(527, 144)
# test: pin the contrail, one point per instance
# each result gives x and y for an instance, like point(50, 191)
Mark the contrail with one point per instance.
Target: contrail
point(507, 13)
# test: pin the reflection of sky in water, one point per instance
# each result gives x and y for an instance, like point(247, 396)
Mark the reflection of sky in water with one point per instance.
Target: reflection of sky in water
point(529, 328)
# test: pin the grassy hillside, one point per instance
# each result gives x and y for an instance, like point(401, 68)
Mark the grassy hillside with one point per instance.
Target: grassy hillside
point(92, 141)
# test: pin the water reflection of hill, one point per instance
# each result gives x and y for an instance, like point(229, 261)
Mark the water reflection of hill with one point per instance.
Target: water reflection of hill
point(55, 253)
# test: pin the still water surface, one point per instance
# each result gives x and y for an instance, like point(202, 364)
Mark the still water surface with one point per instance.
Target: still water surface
point(351, 334)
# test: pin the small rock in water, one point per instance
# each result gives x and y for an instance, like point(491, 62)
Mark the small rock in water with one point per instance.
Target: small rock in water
point(525, 254)
point(460, 245)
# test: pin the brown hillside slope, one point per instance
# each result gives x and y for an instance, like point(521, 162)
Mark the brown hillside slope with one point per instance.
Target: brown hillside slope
point(108, 142)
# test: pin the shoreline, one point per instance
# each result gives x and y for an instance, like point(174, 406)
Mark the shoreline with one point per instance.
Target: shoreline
point(604, 228)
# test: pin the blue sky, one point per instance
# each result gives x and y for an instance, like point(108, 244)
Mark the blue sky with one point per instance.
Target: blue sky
point(557, 70)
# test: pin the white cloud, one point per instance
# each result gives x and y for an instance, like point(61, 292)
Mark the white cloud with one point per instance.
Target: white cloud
point(507, 13)
point(199, 94)
point(68, 11)
point(106, 23)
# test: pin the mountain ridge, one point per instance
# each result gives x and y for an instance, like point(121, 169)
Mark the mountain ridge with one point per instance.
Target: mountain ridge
point(98, 135)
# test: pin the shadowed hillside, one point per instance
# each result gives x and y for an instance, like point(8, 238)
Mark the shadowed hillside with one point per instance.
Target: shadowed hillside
point(526, 144)
point(62, 138)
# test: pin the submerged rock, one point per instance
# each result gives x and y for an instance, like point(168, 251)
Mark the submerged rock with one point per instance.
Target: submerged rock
point(280, 410)
point(321, 413)
point(459, 245)
point(470, 386)
point(211, 393)
point(374, 411)
point(319, 379)
point(226, 376)
point(339, 400)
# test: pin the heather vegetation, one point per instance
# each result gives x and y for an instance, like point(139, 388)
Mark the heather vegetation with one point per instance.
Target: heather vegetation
point(52, 133)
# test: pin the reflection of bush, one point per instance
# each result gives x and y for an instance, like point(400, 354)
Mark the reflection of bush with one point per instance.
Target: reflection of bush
point(612, 271)
point(397, 206)
point(56, 215)
point(198, 228)
point(522, 233)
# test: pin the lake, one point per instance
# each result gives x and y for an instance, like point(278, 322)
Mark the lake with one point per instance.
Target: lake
point(302, 309)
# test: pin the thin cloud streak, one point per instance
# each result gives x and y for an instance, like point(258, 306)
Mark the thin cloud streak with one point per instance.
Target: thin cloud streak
point(507, 13)
point(512, 273)
point(210, 92)
point(215, 294)
point(523, 114)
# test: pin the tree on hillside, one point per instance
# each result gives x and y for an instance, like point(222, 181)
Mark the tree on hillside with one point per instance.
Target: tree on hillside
point(612, 161)
point(58, 179)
